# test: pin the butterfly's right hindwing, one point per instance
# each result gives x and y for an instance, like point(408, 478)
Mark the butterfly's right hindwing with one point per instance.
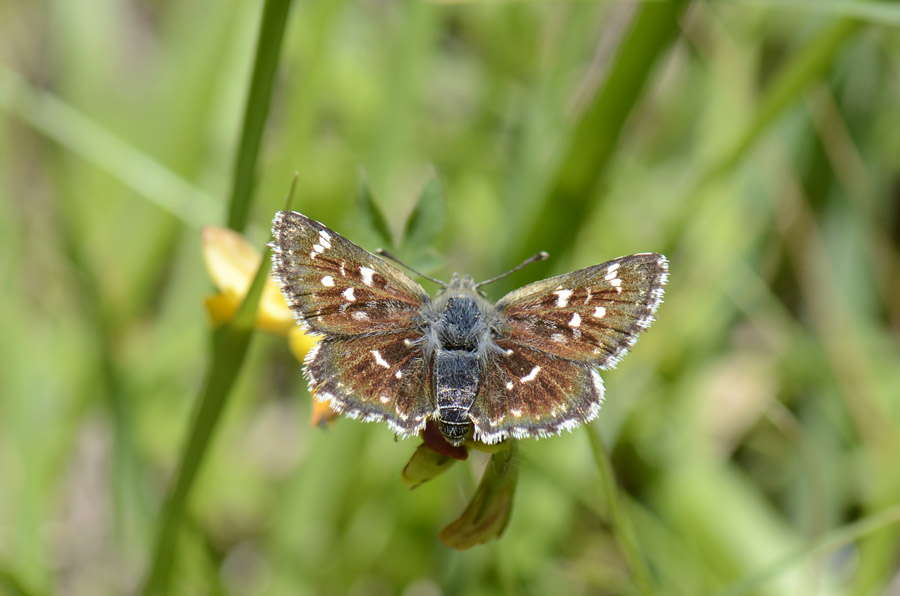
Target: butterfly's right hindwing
point(529, 393)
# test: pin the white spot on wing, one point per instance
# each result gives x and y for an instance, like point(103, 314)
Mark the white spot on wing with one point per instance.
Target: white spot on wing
point(599, 312)
point(562, 298)
point(516, 413)
point(616, 282)
point(360, 315)
point(348, 295)
point(379, 360)
point(398, 375)
point(384, 399)
point(532, 375)
point(318, 248)
point(366, 275)
point(328, 281)
point(559, 338)
point(509, 385)
point(575, 320)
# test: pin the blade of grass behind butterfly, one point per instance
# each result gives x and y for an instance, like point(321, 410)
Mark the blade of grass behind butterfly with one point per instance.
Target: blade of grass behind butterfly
point(618, 515)
point(230, 343)
point(843, 536)
point(596, 134)
point(810, 63)
point(74, 130)
point(876, 11)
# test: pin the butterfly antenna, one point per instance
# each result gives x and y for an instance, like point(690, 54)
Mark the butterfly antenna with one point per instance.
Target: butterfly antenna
point(533, 259)
point(390, 256)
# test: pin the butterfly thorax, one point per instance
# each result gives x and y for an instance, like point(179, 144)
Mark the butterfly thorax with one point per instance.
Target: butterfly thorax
point(459, 337)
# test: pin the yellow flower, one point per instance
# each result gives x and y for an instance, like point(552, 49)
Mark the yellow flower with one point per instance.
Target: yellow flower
point(232, 263)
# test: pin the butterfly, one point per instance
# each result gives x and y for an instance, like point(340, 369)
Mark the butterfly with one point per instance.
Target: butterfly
point(526, 366)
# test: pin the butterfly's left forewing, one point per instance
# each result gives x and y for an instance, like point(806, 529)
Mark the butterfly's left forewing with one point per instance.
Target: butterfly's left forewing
point(368, 363)
point(335, 287)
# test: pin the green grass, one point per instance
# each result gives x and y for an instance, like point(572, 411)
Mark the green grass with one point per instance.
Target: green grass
point(749, 443)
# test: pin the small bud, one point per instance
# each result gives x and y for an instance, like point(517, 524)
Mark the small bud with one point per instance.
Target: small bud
point(487, 515)
point(424, 465)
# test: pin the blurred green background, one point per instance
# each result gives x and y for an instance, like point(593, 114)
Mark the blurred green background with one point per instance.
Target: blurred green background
point(754, 431)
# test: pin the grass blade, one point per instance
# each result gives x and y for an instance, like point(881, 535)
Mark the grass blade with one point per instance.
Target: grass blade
point(596, 134)
point(256, 111)
point(230, 344)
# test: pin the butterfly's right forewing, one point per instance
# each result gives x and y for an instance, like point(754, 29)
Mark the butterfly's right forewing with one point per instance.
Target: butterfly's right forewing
point(592, 315)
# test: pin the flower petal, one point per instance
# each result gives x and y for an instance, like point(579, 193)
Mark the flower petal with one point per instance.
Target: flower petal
point(232, 262)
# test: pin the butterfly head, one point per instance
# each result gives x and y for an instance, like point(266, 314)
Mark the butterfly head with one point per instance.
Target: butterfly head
point(460, 283)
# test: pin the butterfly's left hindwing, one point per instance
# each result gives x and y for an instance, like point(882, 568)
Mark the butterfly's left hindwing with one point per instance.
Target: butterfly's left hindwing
point(334, 286)
point(373, 377)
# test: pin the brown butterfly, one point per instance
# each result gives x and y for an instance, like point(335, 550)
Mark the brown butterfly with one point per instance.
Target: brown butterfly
point(523, 367)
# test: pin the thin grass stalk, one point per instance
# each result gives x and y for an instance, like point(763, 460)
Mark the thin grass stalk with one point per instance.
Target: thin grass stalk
point(230, 344)
point(256, 110)
point(621, 523)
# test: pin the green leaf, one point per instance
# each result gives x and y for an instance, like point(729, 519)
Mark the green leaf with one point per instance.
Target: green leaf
point(371, 226)
point(426, 220)
point(877, 12)
point(77, 132)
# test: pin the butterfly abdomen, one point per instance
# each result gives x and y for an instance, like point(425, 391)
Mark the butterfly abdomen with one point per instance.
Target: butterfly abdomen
point(457, 375)
point(461, 334)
